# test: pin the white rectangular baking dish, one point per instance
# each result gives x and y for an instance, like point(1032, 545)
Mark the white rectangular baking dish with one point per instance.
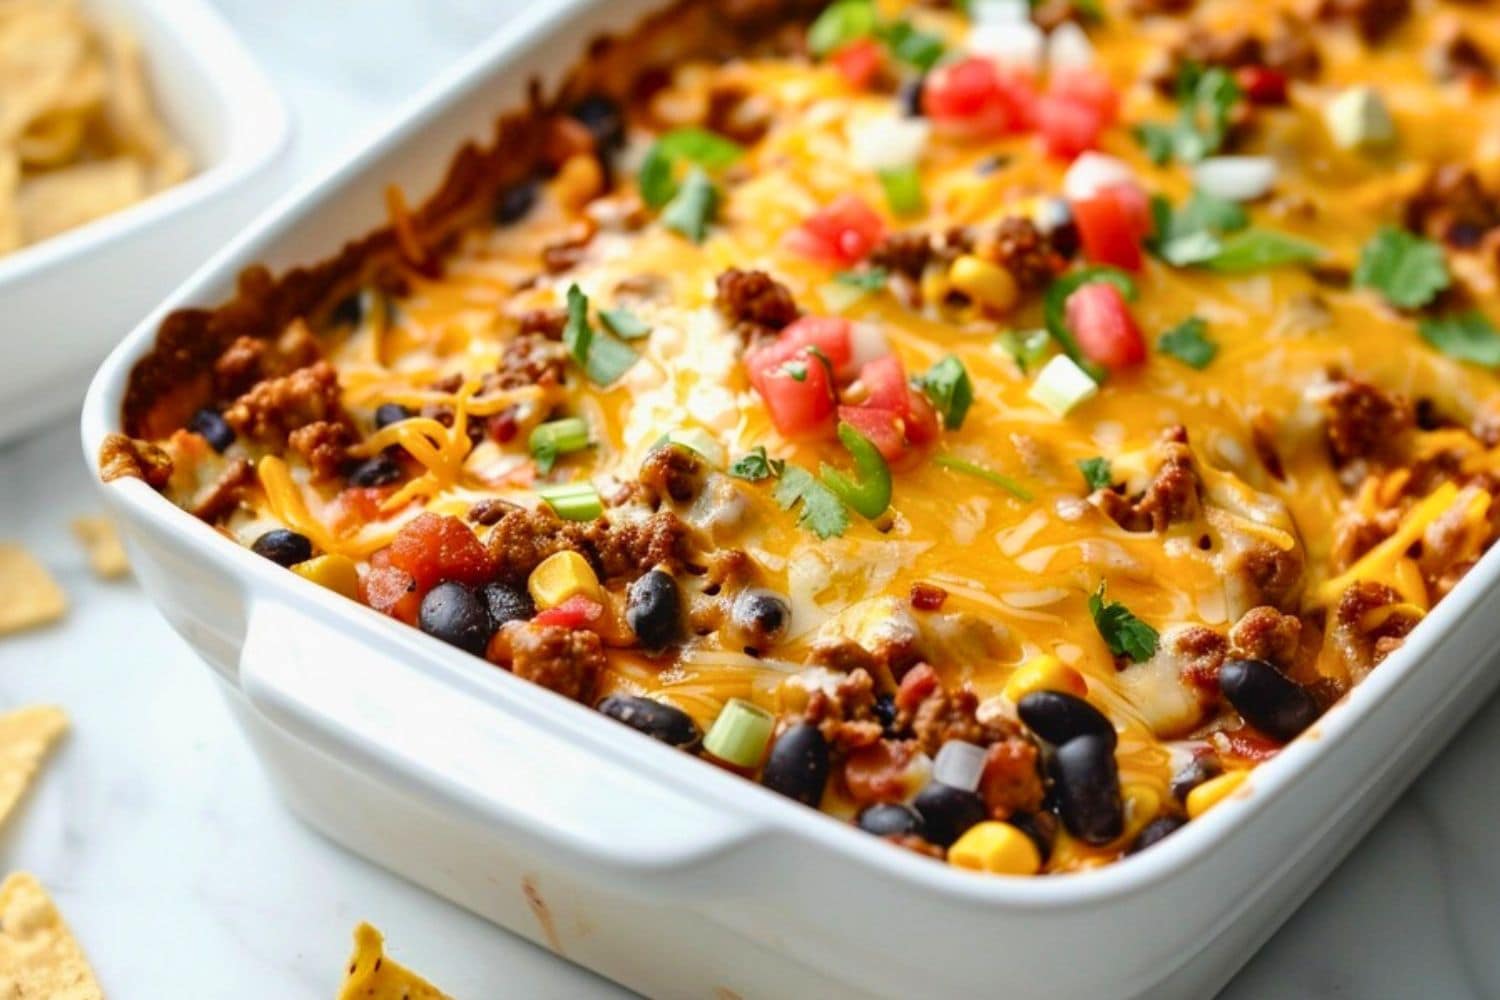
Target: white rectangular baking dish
point(655, 869)
point(66, 300)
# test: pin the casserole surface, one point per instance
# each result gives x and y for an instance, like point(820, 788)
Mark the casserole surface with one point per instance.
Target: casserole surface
point(1306, 451)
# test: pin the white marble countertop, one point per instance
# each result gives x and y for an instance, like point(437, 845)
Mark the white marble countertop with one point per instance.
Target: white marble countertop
point(184, 877)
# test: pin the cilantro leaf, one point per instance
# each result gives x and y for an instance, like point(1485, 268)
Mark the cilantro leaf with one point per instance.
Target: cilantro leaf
point(1206, 98)
point(1026, 348)
point(948, 385)
point(1123, 632)
point(756, 465)
point(1255, 249)
point(657, 175)
point(693, 207)
point(603, 358)
point(869, 279)
point(1096, 472)
point(1193, 233)
point(624, 324)
point(1187, 343)
point(821, 511)
point(1408, 270)
point(913, 47)
point(1467, 336)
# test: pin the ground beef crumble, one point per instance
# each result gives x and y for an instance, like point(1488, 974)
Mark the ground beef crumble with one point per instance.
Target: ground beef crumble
point(1171, 497)
point(567, 661)
point(324, 446)
point(754, 303)
point(275, 407)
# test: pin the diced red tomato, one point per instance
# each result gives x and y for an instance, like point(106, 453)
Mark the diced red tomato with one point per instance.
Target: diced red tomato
point(974, 99)
point(357, 506)
point(576, 612)
point(829, 334)
point(879, 772)
point(795, 385)
point(918, 682)
point(841, 234)
point(392, 592)
point(433, 548)
point(1112, 222)
point(921, 419)
point(885, 382)
point(1100, 319)
point(1089, 88)
point(883, 428)
point(1246, 743)
point(1261, 84)
point(859, 62)
point(1067, 128)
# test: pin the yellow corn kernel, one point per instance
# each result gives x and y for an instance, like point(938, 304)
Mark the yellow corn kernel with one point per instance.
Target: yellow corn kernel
point(561, 576)
point(995, 847)
point(335, 572)
point(1045, 673)
point(986, 283)
point(1142, 805)
point(935, 285)
point(1213, 791)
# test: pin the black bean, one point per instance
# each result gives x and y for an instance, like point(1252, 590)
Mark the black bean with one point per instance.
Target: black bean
point(349, 311)
point(507, 604)
point(885, 712)
point(890, 819)
point(515, 202)
point(1267, 699)
point(604, 119)
point(1194, 773)
point(653, 609)
point(910, 97)
point(1058, 717)
point(1155, 832)
point(1040, 827)
point(283, 547)
point(380, 470)
point(656, 719)
point(947, 811)
point(1087, 782)
point(390, 413)
point(798, 764)
point(212, 428)
point(761, 615)
point(455, 614)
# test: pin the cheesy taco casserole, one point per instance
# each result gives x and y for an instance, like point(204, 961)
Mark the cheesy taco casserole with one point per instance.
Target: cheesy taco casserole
point(997, 426)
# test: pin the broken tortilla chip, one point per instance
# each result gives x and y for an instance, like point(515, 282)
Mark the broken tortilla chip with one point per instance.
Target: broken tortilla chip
point(102, 543)
point(26, 736)
point(28, 594)
point(39, 957)
point(372, 976)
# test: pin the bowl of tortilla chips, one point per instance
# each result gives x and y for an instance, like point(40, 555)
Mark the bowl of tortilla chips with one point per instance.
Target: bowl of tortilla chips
point(136, 136)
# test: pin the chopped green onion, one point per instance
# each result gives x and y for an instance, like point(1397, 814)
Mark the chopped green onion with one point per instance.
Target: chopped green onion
point(1009, 485)
point(839, 24)
point(693, 207)
point(1062, 385)
point(573, 501)
point(903, 190)
point(1026, 347)
point(871, 494)
point(557, 437)
point(948, 385)
point(624, 324)
point(740, 734)
point(870, 279)
point(701, 443)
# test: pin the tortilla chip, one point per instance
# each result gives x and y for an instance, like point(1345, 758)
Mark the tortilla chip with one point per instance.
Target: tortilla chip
point(372, 976)
point(39, 958)
point(102, 543)
point(57, 200)
point(28, 594)
point(26, 736)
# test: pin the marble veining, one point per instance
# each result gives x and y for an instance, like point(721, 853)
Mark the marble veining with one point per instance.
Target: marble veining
point(184, 877)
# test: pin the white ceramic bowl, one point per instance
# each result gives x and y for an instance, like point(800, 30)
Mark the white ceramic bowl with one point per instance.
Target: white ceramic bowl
point(654, 868)
point(65, 301)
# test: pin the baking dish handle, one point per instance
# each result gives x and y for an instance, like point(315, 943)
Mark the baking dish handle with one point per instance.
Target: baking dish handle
point(445, 738)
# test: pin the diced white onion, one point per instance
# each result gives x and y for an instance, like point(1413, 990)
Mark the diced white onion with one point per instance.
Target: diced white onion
point(1358, 119)
point(1020, 45)
point(1050, 214)
point(1000, 11)
point(1093, 171)
point(888, 142)
point(867, 343)
point(1235, 178)
point(1068, 47)
point(959, 764)
point(1062, 385)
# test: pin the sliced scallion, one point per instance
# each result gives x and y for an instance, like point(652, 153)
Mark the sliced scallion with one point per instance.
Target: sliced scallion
point(573, 501)
point(903, 191)
point(557, 437)
point(740, 734)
